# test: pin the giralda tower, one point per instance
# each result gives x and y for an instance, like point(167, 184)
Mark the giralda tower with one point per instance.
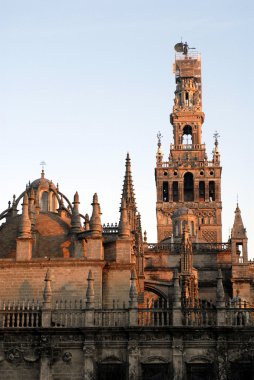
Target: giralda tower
point(188, 182)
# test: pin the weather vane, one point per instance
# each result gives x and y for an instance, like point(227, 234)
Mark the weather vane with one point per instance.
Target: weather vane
point(159, 137)
point(42, 163)
point(216, 136)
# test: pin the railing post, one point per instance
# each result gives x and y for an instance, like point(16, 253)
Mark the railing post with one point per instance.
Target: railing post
point(47, 301)
point(177, 309)
point(133, 303)
point(89, 312)
point(220, 301)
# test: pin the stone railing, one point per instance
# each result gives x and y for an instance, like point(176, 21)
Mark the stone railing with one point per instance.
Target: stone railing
point(198, 316)
point(175, 248)
point(73, 315)
point(155, 317)
point(26, 314)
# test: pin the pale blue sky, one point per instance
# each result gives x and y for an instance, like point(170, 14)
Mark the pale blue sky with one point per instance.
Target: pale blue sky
point(83, 82)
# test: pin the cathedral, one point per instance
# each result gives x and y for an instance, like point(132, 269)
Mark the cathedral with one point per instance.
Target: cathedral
point(82, 300)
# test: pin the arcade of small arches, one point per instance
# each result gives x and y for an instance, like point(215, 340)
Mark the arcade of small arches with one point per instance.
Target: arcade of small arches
point(188, 190)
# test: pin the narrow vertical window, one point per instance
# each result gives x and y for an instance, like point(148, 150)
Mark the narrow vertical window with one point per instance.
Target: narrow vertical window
point(201, 191)
point(165, 191)
point(211, 190)
point(188, 187)
point(44, 201)
point(175, 192)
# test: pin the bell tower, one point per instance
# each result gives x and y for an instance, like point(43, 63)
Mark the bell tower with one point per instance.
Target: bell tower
point(188, 179)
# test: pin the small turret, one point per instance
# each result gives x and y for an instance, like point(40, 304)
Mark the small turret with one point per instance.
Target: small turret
point(75, 220)
point(238, 230)
point(239, 239)
point(24, 239)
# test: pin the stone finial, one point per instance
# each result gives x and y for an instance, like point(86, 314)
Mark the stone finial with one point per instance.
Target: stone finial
point(87, 223)
point(133, 291)
point(95, 221)
point(124, 227)
point(177, 290)
point(31, 208)
point(90, 291)
point(220, 295)
point(25, 223)
point(47, 294)
point(75, 220)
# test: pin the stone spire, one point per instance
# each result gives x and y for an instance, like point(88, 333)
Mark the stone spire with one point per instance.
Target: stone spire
point(95, 221)
point(124, 227)
point(90, 291)
point(75, 220)
point(25, 223)
point(238, 230)
point(128, 193)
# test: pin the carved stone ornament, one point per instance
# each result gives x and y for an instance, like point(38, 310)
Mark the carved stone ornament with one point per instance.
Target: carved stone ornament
point(133, 347)
point(88, 350)
point(67, 356)
point(14, 355)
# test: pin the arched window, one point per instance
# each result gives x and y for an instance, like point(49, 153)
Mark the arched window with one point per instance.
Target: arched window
point(175, 192)
point(54, 203)
point(201, 191)
point(44, 201)
point(187, 134)
point(211, 190)
point(188, 187)
point(165, 191)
